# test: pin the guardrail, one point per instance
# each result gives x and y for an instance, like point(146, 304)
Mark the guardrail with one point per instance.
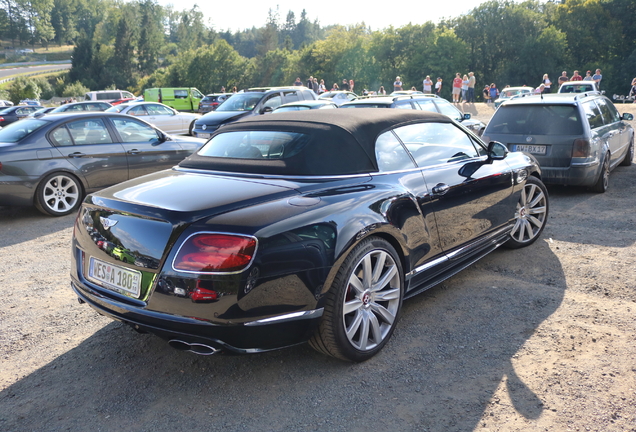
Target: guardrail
point(2, 81)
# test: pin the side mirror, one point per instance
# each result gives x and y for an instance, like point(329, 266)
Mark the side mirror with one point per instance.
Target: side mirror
point(497, 151)
point(628, 116)
point(467, 116)
point(266, 110)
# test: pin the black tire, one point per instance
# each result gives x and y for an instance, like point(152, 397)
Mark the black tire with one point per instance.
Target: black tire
point(629, 156)
point(58, 194)
point(360, 314)
point(191, 128)
point(602, 184)
point(531, 215)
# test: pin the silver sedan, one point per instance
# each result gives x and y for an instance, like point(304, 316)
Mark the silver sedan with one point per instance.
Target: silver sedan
point(165, 118)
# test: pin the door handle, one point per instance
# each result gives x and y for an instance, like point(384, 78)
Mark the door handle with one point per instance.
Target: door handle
point(76, 155)
point(440, 189)
point(133, 151)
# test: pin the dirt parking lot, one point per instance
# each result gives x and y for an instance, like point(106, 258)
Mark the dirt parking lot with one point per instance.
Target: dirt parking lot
point(537, 339)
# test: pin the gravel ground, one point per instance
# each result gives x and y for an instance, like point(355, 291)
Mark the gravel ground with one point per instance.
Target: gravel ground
point(537, 339)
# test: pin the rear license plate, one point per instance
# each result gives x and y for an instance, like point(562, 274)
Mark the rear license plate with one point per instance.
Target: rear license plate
point(203, 135)
point(533, 149)
point(115, 277)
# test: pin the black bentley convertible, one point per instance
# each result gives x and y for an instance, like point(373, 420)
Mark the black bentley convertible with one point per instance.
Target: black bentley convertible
point(304, 226)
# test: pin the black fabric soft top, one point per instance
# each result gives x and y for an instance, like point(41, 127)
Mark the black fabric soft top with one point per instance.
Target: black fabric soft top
point(342, 141)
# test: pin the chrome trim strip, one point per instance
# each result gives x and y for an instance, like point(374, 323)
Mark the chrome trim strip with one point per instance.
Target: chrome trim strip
point(269, 176)
point(294, 316)
point(585, 164)
point(486, 239)
point(426, 266)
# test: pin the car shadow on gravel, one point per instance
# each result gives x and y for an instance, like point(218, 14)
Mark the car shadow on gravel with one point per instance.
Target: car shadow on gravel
point(453, 349)
point(21, 224)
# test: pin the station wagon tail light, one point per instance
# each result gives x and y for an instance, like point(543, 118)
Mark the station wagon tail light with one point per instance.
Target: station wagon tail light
point(215, 253)
point(581, 148)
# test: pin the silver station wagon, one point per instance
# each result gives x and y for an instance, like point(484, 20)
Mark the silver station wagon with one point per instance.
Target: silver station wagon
point(576, 138)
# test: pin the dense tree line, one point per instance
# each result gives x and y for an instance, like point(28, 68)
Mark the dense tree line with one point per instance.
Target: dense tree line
point(141, 44)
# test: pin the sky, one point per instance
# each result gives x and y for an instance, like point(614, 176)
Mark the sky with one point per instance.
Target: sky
point(253, 13)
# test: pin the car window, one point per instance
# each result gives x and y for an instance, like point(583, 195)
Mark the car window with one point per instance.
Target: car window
point(139, 110)
point(26, 111)
point(158, 110)
point(180, 94)
point(535, 120)
point(390, 154)
point(255, 145)
point(89, 131)
point(593, 114)
point(241, 102)
point(273, 101)
point(436, 143)
point(14, 132)
point(404, 105)
point(449, 110)
point(134, 131)
point(95, 107)
point(291, 96)
point(427, 105)
point(610, 115)
point(197, 94)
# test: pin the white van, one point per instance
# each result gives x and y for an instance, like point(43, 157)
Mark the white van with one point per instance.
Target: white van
point(107, 95)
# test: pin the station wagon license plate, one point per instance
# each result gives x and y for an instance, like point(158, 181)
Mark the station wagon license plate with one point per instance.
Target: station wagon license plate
point(115, 277)
point(532, 149)
point(203, 135)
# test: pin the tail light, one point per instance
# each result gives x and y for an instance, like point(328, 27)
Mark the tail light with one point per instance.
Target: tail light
point(1, 118)
point(581, 148)
point(215, 253)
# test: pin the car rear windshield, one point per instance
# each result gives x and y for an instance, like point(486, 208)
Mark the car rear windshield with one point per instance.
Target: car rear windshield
point(18, 130)
point(241, 102)
point(536, 120)
point(255, 145)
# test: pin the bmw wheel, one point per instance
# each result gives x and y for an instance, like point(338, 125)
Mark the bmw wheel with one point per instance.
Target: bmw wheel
point(58, 194)
point(363, 306)
point(531, 214)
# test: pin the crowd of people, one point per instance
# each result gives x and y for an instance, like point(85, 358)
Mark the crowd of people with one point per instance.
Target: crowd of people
point(319, 87)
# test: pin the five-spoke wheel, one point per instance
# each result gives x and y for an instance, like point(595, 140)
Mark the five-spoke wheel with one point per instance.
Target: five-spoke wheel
point(531, 214)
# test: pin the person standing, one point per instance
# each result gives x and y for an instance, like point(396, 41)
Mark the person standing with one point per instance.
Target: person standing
point(597, 78)
point(576, 77)
point(298, 82)
point(427, 85)
point(351, 84)
point(381, 91)
point(438, 87)
point(315, 86)
point(397, 85)
point(322, 88)
point(344, 86)
point(588, 76)
point(471, 87)
point(563, 78)
point(494, 92)
point(457, 87)
point(546, 83)
point(465, 83)
point(486, 92)
point(310, 83)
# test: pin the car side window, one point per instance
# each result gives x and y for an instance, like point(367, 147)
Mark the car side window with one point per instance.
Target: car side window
point(158, 110)
point(593, 114)
point(390, 154)
point(134, 131)
point(404, 105)
point(94, 107)
point(273, 101)
point(610, 115)
point(83, 132)
point(180, 94)
point(436, 143)
point(291, 96)
point(427, 105)
point(61, 137)
point(138, 111)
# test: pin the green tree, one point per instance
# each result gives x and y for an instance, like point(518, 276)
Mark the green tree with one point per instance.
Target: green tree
point(123, 60)
point(151, 36)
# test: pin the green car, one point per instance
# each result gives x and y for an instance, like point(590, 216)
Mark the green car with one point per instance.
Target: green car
point(181, 98)
point(123, 255)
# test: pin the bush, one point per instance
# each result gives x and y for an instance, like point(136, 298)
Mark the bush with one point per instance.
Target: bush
point(24, 88)
point(75, 89)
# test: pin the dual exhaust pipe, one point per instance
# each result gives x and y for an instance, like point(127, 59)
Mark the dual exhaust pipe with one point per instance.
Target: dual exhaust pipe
point(193, 347)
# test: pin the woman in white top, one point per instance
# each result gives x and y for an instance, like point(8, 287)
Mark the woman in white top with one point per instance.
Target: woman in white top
point(546, 83)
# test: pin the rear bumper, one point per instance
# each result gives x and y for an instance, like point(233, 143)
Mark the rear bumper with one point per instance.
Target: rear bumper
point(574, 175)
point(255, 336)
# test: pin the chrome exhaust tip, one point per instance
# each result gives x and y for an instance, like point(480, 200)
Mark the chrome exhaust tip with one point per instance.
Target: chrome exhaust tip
point(196, 348)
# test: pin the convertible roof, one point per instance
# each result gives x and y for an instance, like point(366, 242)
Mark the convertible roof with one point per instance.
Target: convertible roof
point(342, 141)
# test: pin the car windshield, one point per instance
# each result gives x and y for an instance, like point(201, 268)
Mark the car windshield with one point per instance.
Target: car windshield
point(7, 110)
point(449, 110)
point(18, 130)
point(536, 120)
point(509, 93)
point(241, 102)
point(255, 145)
point(292, 108)
point(208, 99)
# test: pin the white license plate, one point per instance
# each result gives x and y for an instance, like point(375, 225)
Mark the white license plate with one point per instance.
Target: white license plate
point(115, 277)
point(533, 149)
point(203, 135)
